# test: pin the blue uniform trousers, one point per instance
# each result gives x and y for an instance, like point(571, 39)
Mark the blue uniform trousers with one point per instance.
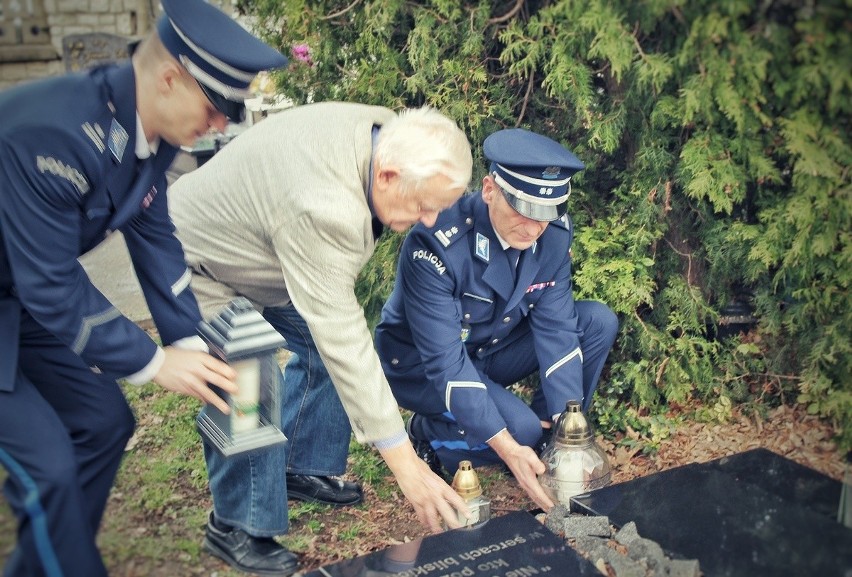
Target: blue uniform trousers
point(599, 328)
point(250, 490)
point(63, 430)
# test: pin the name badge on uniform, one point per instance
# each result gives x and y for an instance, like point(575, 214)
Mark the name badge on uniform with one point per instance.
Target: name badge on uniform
point(118, 138)
point(483, 246)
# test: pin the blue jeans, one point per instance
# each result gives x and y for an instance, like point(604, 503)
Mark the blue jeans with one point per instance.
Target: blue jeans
point(250, 489)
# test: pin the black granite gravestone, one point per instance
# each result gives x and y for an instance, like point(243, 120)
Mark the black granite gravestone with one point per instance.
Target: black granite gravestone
point(513, 545)
point(749, 515)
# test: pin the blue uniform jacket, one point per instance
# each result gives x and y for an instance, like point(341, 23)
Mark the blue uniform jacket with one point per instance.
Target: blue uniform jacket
point(69, 176)
point(455, 303)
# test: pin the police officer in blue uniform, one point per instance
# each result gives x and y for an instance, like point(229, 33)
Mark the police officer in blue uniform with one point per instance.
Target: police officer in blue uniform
point(80, 156)
point(482, 300)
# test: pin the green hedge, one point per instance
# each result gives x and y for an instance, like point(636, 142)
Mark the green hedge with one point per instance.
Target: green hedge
point(716, 140)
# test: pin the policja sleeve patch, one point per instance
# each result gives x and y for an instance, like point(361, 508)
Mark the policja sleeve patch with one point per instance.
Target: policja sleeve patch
point(50, 165)
point(432, 258)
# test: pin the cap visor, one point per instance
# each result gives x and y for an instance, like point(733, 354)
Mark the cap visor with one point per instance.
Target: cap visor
point(539, 212)
point(235, 111)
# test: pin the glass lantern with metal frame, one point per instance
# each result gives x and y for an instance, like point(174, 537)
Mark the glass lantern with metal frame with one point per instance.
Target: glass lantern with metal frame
point(241, 337)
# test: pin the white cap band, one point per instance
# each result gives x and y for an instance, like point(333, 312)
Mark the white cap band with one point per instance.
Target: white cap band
point(535, 181)
point(542, 201)
point(228, 92)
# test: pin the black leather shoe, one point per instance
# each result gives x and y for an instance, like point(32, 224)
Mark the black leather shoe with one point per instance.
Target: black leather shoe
point(325, 490)
point(423, 449)
point(258, 555)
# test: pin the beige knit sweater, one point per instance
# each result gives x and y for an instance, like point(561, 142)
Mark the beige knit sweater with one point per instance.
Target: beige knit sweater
point(280, 216)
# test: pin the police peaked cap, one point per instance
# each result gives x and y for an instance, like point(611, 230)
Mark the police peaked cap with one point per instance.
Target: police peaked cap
point(217, 51)
point(533, 171)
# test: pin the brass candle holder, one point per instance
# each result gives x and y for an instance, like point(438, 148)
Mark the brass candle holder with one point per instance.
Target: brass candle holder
point(466, 484)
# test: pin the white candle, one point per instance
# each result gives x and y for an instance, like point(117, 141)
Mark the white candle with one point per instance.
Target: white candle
point(569, 476)
point(245, 405)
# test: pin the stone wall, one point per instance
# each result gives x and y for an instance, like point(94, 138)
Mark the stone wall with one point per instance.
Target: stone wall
point(32, 31)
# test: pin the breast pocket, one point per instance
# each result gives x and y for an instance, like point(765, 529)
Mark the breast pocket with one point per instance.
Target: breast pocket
point(476, 309)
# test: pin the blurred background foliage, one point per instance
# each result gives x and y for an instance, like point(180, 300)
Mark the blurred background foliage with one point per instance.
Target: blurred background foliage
point(714, 211)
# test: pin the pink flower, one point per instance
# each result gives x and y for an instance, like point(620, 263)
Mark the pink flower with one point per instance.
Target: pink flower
point(302, 52)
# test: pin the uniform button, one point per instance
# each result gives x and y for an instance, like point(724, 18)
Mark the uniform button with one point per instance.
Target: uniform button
point(480, 350)
point(532, 305)
point(96, 370)
point(507, 319)
point(394, 361)
point(467, 316)
point(495, 341)
point(468, 220)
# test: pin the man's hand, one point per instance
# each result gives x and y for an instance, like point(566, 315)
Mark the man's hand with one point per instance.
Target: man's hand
point(431, 497)
point(189, 372)
point(524, 464)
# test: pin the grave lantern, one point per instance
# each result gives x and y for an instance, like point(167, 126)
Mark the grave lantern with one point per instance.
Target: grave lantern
point(574, 462)
point(466, 484)
point(241, 337)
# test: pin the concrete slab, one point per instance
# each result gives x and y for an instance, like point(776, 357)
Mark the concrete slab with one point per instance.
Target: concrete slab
point(110, 269)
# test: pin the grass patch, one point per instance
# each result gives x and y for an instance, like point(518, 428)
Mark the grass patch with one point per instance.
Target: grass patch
point(352, 532)
point(302, 511)
point(158, 508)
point(367, 465)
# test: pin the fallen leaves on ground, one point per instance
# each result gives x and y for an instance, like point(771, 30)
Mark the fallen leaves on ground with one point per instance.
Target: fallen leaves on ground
point(331, 535)
point(787, 431)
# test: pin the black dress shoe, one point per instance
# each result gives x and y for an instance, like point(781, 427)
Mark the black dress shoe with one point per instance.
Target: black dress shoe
point(258, 555)
point(325, 490)
point(423, 449)
point(544, 441)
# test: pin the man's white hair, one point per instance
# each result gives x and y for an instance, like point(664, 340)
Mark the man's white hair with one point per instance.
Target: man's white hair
point(422, 143)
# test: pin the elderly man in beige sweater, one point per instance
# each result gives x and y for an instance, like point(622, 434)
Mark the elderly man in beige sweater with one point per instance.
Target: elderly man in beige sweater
point(286, 215)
